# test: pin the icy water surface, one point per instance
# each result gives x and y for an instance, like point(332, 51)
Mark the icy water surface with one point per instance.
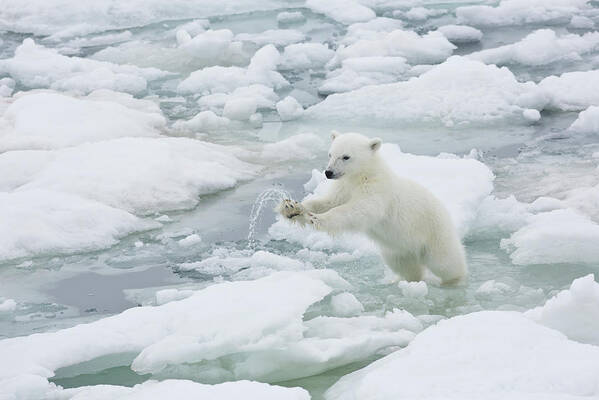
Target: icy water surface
point(142, 154)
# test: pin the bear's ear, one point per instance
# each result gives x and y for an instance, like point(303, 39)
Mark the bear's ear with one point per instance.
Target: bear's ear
point(334, 135)
point(375, 144)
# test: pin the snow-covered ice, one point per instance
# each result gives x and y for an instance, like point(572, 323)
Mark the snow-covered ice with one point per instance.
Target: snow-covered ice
point(492, 354)
point(458, 92)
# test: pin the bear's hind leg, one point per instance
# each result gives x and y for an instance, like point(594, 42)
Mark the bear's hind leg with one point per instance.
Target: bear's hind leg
point(449, 265)
point(408, 266)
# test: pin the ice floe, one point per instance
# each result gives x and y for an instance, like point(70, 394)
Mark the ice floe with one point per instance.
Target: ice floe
point(140, 175)
point(490, 354)
point(218, 79)
point(458, 92)
point(574, 311)
point(559, 236)
point(47, 120)
point(587, 121)
point(36, 66)
point(63, 223)
point(519, 12)
point(541, 47)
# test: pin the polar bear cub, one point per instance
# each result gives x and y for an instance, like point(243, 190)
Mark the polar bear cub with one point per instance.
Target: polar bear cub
point(411, 227)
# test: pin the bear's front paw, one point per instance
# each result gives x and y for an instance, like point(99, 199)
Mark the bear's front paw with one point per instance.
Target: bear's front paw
point(290, 208)
point(313, 220)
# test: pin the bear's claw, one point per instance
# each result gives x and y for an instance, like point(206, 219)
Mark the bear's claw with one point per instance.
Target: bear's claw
point(291, 208)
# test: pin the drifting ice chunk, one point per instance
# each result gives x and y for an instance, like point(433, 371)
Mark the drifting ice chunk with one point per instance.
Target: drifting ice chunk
point(574, 312)
point(226, 79)
point(7, 85)
point(140, 175)
point(571, 91)
point(289, 108)
point(344, 11)
point(461, 33)
point(413, 289)
point(278, 37)
point(560, 236)
point(305, 55)
point(46, 120)
point(63, 224)
point(346, 305)
point(539, 48)
point(287, 17)
point(261, 261)
point(520, 12)
point(362, 71)
point(580, 22)
point(35, 66)
point(240, 108)
point(188, 390)
point(457, 92)
point(490, 354)
point(202, 326)
point(587, 121)
point(7, 305)
point(428, 49)
point(202, 122)
point(304, 146)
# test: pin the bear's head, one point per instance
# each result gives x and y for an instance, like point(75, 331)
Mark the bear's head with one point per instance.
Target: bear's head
point(351, 154)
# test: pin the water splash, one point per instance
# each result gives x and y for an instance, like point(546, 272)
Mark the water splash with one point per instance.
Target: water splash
point(271, 195)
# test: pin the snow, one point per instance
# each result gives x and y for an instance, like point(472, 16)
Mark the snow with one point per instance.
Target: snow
point(343, 11)
point(490, 354)
point(458, 92)
point(430, 48)
point(520, 12)
point(559, 236)
point(419, 13)
point(305, 56)
point(574, 311)
point(220, 79)
point(461, 33)
point(73, 120)
point(289, 109)
point(571, 91)
point(139, 175)
point(587, 121)
point(346, 305)
point(37, 222)
point(541, 47)
point(35, 66)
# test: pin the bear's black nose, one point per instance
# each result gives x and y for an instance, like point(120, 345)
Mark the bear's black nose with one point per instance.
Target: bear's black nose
point(328, 174)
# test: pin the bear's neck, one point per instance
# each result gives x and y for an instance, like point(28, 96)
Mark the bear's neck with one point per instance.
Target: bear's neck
point(376, 172)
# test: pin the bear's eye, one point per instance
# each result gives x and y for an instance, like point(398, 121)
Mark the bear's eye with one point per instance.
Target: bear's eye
point(329, 155)
point(345, 158)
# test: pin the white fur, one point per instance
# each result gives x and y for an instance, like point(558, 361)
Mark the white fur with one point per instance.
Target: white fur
point(409, 224)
